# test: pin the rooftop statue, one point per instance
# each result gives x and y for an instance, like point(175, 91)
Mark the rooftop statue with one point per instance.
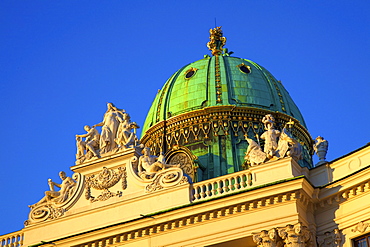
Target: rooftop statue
point(149, 165)
point(321, 149)
point(288, 146)
point(117, 132)
point(90, 147)
point(57, 197)
point(109, 128)
point(125, 137)
point(270, 136)
point(154, 174)
point(277, 144)
point(254, 155)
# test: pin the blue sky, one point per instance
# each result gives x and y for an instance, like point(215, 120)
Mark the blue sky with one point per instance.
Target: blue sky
point(61, 61)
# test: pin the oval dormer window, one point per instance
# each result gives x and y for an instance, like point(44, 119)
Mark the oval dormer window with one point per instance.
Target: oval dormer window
point(244, 68)
point(190, 73)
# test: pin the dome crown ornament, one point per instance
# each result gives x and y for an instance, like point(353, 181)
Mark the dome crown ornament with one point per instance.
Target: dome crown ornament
point(217, 41)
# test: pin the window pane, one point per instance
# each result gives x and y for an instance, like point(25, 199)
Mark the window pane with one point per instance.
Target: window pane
point(361, 243)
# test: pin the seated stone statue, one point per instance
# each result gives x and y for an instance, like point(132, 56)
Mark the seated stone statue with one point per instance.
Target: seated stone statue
point(88, 148)
point(52, 196)
point(125, 137)
point(150, 164)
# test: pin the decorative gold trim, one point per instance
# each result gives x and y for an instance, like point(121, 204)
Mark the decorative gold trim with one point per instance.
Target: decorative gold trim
point(218, 81)
point(208, 121)
point(217, 41)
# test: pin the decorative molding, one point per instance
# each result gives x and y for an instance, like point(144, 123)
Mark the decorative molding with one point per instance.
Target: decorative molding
point(296, 235)
point(330, 239)
point(168, 178)
point(182, 155)
point(105, 180)
point(207, 122)
point(360, 227)
point(191, 220)
point(346, 194)
point(269, 238)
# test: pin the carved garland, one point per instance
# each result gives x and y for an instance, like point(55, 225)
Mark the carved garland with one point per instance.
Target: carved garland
point(106, 179)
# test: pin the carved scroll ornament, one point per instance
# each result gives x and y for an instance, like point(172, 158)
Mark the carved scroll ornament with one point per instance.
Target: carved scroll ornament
point(56, 203)
point(154, 174)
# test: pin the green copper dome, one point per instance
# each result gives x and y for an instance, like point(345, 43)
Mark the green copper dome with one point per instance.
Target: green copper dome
point(241, 83)
point(205, 111)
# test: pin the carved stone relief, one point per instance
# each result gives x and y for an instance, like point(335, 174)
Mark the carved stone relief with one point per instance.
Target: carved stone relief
point(268, 238)
point(55, 203)
point(361, 227)
point(330, 239)
point(296, 236)
point(277, 144)
point(182, 156)
point(106, 179)
point(117, 133)
point(155, 174)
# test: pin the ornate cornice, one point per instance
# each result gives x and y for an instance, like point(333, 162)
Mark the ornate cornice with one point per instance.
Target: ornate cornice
point(344, 194)
point(206, 216)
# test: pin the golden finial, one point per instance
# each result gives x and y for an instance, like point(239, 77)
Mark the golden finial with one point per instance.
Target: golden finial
point(217, 41)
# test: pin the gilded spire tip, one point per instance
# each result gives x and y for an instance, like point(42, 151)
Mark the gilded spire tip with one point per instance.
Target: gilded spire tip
point(217, 41)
